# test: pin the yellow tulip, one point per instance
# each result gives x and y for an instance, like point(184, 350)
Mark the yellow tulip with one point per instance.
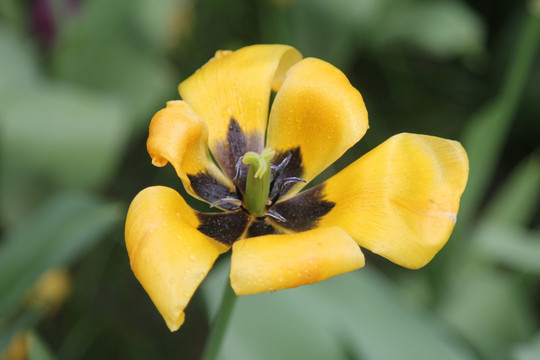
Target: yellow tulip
point(400, 200)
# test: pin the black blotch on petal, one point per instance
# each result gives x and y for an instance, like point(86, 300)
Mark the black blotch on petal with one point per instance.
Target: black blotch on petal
point(236, 145)
point(236, 140)
point(211, 190)
point(260, 228)
point(224, 227)
point(304, 210)
point(231, 149)
point(293, 169)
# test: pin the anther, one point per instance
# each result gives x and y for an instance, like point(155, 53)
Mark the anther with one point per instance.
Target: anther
point(283, 183)
point(227, 200)
point(278, 169)
point(276, 216)
point(238, 172)
point(287, 181)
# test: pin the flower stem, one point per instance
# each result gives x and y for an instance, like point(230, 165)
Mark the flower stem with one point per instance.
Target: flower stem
point(219, 325)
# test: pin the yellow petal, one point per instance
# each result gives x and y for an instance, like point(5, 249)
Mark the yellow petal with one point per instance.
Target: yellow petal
point(401, 199)
point(177, 135)
point(318, 111)
point(275, 262)
point(237, 85)
point(168, 255)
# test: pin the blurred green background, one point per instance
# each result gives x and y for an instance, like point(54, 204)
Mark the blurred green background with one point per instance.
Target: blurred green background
point(79, 83)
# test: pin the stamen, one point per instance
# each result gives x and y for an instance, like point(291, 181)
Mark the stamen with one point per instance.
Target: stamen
point(278, 169)
point(284, 182)
point(238, 172)
point(289, 180)
point(227, 200)
point(276, 216)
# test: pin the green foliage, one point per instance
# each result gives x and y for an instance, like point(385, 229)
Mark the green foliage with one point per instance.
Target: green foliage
point(492, 123)
point(39, 350)
point(474, 304)
point(54, 234)
point(51, 235)
point(106, 49)
point(509, 245)
point(527, 351)
point(54, 135)
point(357, 316)
point(517, 198)
point(443, 27)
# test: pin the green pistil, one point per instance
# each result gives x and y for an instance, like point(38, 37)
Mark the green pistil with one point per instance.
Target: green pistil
point(258, 180)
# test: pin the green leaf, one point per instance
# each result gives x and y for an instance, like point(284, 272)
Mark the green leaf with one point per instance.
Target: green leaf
point(527, 350)
point(443, 28)
point(517, 199)
point(318, 29)
point(163, 21)
point(105, 49)
point(508, 244)
point(18, 68)
point(17, 325)
point(73, 136)
point(483, 140)
point(13, 11)
point(137, 76)
point(39, 350)
point(359, 15)
point(356, 315)
point(488, 308)
point(57, 136)
point(52, 135)
point(54, 234)
point(484, 137)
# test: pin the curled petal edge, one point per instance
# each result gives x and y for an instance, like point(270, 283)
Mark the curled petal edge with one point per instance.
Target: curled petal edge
point(177, 135)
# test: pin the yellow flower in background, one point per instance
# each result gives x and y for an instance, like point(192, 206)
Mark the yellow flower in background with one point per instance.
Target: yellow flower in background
point(50, 291)
point(400, 200)
point(45, 297)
